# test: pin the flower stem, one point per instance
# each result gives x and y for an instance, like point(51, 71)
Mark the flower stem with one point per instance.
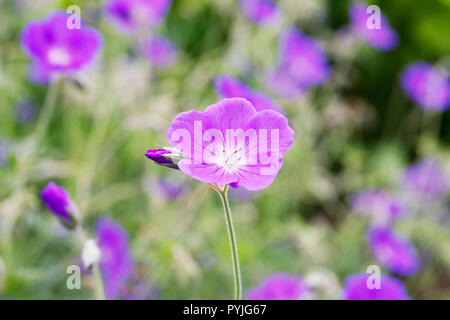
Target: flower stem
point(233, 245)
point(35, 140)
point(46, 112)
point(99, 288)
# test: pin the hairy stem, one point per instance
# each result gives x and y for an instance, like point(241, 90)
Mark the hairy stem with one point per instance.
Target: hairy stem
point(233, 245)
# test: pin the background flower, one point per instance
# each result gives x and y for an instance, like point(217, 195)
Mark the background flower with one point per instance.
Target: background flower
point(116, 262)
point(160, 51)
point(55, 48)
point(280, 286)
point(134, 15)
point(426, 178)
point(384, 38)
point(260, 11)
point(302, 64)
point(355, 288)
point(427, 86)
point(229, 87)
point(393, 251)
point(382, 207)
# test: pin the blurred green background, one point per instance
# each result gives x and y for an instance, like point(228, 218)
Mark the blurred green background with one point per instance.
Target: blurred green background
point(357, 131)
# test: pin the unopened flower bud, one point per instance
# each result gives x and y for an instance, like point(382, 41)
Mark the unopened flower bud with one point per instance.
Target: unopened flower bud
point(58, 201)
point(164, 157)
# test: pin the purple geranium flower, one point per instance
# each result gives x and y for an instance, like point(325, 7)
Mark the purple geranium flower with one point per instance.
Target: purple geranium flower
point(384, 38)
point(160, 51)
point(58, 201)
point(231, 142)
point(54, 47)
point(134, 15)
point(393, 251)
point(427, 86)
point(229, 87)
point(356, 288)
point(382, 207)
point(280, 286)
point(426, 178)
point(116, 262)
point(303, 64)
point(261, 12)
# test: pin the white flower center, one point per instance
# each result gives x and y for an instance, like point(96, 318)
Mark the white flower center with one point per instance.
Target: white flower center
point(230, 159)
point(58, 56)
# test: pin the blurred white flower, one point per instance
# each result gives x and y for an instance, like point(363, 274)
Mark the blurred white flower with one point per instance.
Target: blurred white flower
point(90, 254)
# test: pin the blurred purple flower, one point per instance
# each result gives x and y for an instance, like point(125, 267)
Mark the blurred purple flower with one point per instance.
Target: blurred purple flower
point(382, 207)
point(25, 111)
point(384, 38)
point(226, 160)
point(426, 178)
point(171, 190)
point(139, 289)
point(229, 87)
point(160, 51)
point(355, 288)
point(303, 64)
point(279, 286)
point(393, 251)
point(58, 201)
point(116, 262)
point(427, 86)
point(261, 12)
point(241, 194)
point(133, 15)
point(55, 48)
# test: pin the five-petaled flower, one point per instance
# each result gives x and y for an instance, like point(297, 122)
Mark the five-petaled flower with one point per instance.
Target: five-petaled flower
point(231, 143)
point(54, 47)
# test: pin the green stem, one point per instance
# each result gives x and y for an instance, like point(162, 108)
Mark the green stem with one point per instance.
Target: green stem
point(233, 245)
point(47, 111)
point(99, 288)
point(34, 141)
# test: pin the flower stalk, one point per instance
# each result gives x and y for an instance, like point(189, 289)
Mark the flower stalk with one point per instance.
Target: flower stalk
point(99, 288)
point(233, 243)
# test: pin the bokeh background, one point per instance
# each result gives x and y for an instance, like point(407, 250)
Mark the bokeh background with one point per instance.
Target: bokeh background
point(357, 131)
